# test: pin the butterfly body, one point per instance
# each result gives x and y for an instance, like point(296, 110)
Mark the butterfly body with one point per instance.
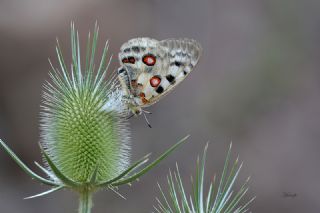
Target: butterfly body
point(150, 68)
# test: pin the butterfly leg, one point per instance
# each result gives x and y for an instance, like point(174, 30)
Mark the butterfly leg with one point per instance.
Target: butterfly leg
point(147, 112)
point(130, 116)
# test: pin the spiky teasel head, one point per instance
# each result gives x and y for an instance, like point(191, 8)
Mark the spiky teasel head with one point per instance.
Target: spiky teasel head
point(84, 132)
point(221, 197)
point(83, 129)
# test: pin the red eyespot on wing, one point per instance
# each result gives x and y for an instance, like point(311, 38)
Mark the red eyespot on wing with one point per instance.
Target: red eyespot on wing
point(125, 60)
point(155, 81)
point(142, 95)
point(143, 98)
point(131, 60)
point(149, 60)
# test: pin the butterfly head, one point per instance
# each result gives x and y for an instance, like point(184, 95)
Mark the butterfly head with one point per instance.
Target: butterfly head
point(136, 110)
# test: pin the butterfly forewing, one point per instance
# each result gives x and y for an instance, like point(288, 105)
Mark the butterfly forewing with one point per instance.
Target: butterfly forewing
point(182, 56)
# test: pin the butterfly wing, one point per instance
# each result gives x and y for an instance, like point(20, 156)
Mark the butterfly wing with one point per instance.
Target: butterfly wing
point(182, 55)
point(150, 69)
point(139, 59)
point(124, 80)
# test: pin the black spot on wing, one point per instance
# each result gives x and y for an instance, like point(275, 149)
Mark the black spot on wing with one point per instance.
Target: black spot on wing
point(171, 79)
point(121, 70)
point(135, 49)
point(185, 72)
point(176, 63)
point(126, 50)
point(160, 90)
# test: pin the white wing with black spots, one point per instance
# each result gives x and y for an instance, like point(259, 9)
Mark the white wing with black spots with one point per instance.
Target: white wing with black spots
point(182, 57)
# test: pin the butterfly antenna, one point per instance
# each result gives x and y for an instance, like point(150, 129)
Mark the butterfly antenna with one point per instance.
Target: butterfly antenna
point(145, 117)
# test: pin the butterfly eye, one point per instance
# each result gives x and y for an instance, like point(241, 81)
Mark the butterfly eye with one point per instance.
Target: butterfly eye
point(155, 81)
point(149, 60)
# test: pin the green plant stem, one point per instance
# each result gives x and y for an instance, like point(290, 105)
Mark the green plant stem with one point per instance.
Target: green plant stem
point(85, 204)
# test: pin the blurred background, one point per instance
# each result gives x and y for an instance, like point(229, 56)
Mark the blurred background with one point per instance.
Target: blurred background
point(257, 85)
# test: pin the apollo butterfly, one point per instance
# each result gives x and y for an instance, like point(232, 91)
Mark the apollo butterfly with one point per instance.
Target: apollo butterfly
point(150, 69)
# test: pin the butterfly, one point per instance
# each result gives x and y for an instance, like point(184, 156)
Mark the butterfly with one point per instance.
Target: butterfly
point(150, 69)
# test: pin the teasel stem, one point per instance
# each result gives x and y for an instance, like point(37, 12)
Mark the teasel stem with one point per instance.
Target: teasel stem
point(85, 201)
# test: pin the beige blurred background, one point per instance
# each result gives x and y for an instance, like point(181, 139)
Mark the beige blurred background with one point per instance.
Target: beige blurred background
point(257, 85)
